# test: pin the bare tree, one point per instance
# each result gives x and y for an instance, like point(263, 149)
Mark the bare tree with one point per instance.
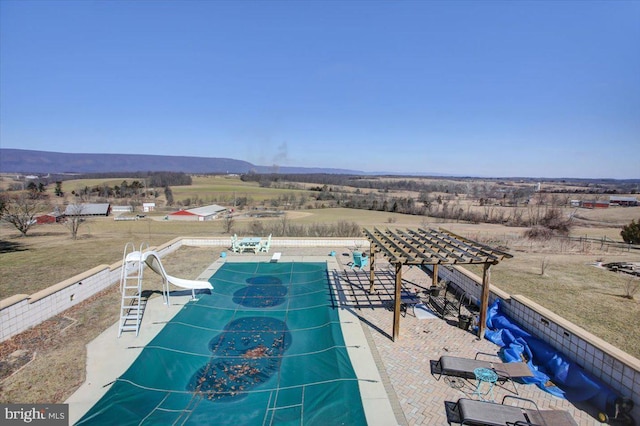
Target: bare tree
point(229, 221)
point(544, 264)
point(284, 224)
point(74, 219)
point(21, 211)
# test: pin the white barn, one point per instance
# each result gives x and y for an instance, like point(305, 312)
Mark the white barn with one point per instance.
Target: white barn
point(198, 214)
point(121, 209)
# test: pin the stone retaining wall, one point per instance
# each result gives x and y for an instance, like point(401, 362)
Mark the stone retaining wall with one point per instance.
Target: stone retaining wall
point(22, 311)
point(613, 367)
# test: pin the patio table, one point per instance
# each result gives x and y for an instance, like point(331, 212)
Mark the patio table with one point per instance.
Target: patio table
point(250, 244)
point(485, 375)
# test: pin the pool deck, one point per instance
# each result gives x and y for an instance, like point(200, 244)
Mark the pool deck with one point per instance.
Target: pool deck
point(397, 386)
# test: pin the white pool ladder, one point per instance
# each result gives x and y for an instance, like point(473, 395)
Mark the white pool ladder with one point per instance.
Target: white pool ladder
point(132, 303)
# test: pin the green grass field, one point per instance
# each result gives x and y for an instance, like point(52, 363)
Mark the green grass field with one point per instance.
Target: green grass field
point(226, 188)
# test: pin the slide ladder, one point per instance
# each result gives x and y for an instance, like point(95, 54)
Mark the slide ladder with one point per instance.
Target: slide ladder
point(132, 303)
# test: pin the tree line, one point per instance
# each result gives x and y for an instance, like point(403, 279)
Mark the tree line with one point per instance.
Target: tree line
point(144, 179)
point(150, 179)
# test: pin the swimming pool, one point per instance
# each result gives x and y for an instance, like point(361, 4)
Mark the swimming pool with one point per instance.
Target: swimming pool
point(266, 347)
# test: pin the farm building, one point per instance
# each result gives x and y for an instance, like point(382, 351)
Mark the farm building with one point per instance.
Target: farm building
point(198, 214)
point(121, 209)
point(53, 217)
point(595, 204)
point(103, 209)
point(623, 201)
point(148, 207)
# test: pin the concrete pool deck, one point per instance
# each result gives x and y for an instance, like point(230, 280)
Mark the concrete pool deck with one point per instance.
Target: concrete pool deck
point(396, 387)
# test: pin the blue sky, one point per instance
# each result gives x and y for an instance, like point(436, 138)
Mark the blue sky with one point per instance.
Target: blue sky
point(482, 88)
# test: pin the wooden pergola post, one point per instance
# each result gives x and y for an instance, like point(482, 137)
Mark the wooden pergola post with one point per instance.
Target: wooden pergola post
point(372, 275)
point(397, 300)
point(484, 300)
point(423, 247)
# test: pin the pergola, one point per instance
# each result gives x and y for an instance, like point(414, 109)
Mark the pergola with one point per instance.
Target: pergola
point(430, 247)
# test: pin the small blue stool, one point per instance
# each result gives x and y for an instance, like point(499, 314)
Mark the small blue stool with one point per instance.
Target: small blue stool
point(223, 254)
point(485, 375)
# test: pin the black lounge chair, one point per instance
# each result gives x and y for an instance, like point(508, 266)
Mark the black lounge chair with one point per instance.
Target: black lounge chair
point(481, 413)
point(463, 367)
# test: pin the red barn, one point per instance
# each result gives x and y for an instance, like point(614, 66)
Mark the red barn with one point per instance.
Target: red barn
point(48, 218)
point(595, 204)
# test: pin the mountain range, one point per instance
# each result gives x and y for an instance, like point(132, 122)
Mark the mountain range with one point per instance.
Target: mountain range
point(39, 162)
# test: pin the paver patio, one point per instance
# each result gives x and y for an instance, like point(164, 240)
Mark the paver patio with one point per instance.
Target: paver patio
point(405, 363)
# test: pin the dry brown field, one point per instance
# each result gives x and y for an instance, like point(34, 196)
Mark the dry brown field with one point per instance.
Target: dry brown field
point(48, 255)
point(571, 286)
point(59, 344)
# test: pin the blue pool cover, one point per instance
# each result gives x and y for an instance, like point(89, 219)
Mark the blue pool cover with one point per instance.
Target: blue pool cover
point(553, 372)
point(265, 348)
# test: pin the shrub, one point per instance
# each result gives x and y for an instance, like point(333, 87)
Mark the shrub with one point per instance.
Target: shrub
point(631, 287)
point(313, 230)
point(553, 223)
point(539, 233)
point(556, 222)
point(631, 233)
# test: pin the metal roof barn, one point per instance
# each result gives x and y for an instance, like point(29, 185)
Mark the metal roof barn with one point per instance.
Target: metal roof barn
point(198, 214)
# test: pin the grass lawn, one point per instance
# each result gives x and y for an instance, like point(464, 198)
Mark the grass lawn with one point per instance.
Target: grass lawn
point(48, 255)
point(225, 188)
point(574, 288)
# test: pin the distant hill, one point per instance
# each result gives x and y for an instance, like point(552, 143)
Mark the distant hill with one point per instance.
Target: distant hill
point(39, 162)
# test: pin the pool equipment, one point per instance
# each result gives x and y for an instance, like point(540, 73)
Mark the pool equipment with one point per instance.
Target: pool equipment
point(132, 304)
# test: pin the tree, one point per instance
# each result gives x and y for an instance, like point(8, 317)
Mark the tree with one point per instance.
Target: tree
point(631, 233)
point(58, 191)
point(74, 219)
point(168, 195)
point(229, 221)
point(3, 203)
point(264, 183)
point(21, 210)
point(284, 224)
point(124, 189)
